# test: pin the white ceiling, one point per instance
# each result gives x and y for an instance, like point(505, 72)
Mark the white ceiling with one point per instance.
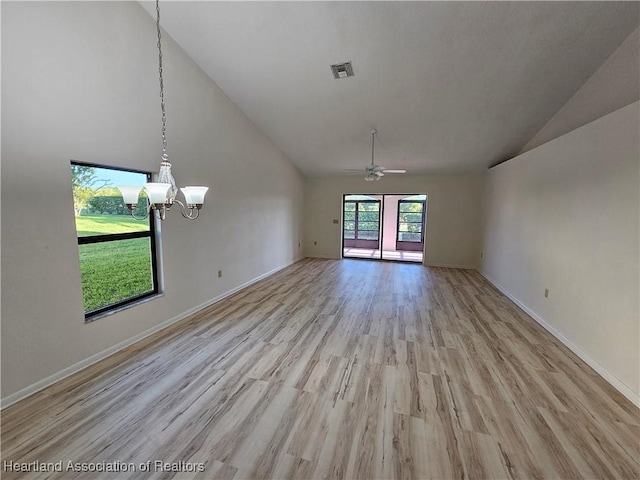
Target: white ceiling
point(450, 86)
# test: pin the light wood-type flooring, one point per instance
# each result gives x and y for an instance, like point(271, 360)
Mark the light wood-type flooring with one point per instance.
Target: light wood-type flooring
point(340, 369)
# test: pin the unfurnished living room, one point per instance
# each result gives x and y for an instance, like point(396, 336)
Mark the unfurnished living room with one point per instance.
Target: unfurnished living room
point(320, 240)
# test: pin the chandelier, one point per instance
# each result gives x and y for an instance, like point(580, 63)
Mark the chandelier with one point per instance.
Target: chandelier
point(161, 195)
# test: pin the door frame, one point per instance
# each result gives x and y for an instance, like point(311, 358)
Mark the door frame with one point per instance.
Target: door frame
point(381, 223)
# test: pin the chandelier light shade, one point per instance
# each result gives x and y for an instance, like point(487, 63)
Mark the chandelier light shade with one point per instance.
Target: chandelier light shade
point(161, 195)
point(194, 196)
point(157, 192)
point(130, 194)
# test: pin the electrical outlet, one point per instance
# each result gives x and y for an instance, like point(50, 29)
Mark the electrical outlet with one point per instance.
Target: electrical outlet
point(481, 254)
point(298, 244)
point(315, 243)
point(219, 273)
point(336, 221)
point(546, 293)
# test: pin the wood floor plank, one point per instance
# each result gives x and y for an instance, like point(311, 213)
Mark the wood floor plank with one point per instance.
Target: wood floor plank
point(344, 370)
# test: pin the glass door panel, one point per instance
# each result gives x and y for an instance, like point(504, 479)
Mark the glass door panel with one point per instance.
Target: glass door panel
point(410, 225)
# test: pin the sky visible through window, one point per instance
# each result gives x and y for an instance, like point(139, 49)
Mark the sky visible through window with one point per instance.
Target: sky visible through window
point(117, 177)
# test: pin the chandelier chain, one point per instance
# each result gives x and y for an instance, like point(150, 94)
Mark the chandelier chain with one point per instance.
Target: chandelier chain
point(164, 116)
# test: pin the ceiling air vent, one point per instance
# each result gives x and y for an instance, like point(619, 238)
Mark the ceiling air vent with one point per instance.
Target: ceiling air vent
point(342, 70)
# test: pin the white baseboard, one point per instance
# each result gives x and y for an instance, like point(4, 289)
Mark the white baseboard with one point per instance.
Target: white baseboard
point(449, 265)
point(604, 373)
point(76, 367)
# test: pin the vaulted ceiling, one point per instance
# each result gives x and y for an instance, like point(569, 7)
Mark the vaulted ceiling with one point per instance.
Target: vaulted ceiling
point(450, 86)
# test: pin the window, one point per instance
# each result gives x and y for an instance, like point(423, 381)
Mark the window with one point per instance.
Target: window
point(410, 221)
point(117, 252)
point(361, 220)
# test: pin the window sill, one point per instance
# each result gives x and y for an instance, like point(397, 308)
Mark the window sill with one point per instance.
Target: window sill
point(121, 308)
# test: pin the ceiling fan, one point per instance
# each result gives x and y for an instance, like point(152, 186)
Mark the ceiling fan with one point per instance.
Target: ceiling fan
point(373, 171)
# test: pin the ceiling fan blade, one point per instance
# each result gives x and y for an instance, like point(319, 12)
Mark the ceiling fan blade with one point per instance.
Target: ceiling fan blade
point(358, 170)
point(394, 171)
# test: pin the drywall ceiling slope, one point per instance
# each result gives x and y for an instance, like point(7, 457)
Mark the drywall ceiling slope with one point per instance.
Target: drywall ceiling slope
point(616, 84)
point(451, 86)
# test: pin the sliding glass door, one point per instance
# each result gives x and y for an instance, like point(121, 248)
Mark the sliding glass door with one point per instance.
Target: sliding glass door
point(361, 223)
point(384, 226)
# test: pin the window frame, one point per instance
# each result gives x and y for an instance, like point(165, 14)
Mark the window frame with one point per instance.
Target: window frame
point(356, 219)
point(421, 223)
point(112, 237)
point(357, 241)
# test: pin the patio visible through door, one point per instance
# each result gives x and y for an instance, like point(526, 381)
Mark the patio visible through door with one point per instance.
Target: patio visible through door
point(384, 226)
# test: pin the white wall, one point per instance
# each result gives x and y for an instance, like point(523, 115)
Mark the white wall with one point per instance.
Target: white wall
point(565, 216)
point(79, 81)
point(454, 213)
